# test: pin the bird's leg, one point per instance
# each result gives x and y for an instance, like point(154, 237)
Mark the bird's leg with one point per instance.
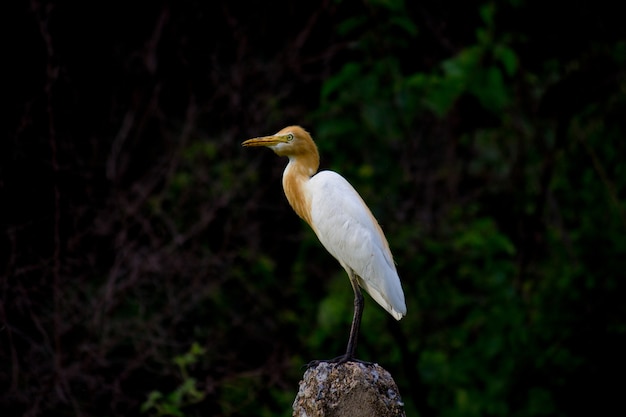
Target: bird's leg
point(354, 329)
point(356, 320)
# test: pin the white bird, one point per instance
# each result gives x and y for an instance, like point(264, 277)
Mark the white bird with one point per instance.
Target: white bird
point(342, 223)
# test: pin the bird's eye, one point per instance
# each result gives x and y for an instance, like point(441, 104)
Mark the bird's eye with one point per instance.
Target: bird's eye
point(290, 137)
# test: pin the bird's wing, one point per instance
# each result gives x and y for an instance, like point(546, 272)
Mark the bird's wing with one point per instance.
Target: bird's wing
point(349, 231)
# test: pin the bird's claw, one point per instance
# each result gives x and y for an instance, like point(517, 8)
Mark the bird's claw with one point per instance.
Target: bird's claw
point(339, 360)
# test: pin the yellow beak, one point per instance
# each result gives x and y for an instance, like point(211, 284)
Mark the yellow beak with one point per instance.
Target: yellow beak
point(266, 141)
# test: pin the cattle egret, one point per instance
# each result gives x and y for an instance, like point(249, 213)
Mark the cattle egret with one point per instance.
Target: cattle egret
point(341, 221)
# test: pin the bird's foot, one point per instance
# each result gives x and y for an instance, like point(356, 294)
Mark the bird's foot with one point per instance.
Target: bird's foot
point(337, 361)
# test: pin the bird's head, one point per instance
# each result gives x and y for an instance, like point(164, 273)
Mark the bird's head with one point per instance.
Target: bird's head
point(292, 141)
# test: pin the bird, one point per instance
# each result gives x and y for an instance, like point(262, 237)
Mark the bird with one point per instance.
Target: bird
point(343, 224)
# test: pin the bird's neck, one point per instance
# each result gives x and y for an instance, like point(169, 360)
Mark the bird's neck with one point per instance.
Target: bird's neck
point(297, 174)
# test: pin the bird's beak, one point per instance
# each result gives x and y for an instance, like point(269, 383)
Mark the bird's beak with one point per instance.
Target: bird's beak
point(266, 141)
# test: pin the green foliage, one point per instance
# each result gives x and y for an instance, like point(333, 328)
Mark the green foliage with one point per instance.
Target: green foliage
point(479, 320)
point(479, 70)
point(495, 282)
point(187, 392)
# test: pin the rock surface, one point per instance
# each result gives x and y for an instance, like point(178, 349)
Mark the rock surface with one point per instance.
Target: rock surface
point(347, 390)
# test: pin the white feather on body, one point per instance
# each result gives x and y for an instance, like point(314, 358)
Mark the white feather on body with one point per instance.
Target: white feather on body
point(348, 230)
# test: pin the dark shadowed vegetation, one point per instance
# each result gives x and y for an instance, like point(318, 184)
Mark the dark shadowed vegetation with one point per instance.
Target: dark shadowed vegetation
point(151, 266)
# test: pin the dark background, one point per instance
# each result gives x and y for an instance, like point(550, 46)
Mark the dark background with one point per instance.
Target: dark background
point(150, 265)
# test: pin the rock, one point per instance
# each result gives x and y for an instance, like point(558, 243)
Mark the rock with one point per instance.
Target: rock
point(347, 390)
